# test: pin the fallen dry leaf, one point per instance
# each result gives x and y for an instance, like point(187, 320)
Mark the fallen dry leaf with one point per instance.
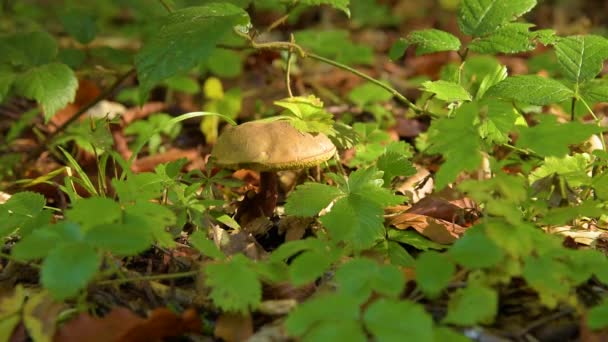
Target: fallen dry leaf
point(122, 325)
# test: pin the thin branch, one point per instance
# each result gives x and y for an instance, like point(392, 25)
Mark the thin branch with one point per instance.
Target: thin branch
point(166, 5)
point(149, 278)
point(387, 87)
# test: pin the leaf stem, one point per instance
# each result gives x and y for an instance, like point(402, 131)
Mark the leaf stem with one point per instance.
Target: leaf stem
point(387, 87)
point(598, 122)
point(15, 260)
point(149, 278)
point(167, 6)
point(522, 151)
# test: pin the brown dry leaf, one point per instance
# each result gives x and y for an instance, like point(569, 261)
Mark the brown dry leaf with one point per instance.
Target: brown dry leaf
point(437, 230)
point(277, 307)
point(294, 227)
point(40, 315)
point(148, 163)
point(122, 325)
point(233, 327)
point(137, 113)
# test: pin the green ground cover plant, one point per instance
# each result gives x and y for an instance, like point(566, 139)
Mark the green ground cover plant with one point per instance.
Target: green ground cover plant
point(528, 149)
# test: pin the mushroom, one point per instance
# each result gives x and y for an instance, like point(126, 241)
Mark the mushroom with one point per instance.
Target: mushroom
point(269, 147)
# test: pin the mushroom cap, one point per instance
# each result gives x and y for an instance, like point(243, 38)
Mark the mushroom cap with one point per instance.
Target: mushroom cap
point(270, 146)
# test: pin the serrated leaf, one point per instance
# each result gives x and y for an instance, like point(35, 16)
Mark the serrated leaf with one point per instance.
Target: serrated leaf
point(342, 5)
point(52, 85)
point(394, 165)
point(433, 40)
point(510, 38)
point(547, 277)
point(581, 57)
point(334, 308)
point(447, 91)
point(413, 238)
point(414, 321)
point(234, 284)
point(472, 305)
point(357, 220)
point(43, 240)
point(205, 246)
point(138, 187)
point(499, 120)
point(361, 277)
point(68, 268)
point(594, 91)
point(531, 89)
point(119, 238)
point(480, 17)
point(309, 199)
point(155, 218)
point(476, 250)
point(458, 141)
point(185, 38)
point(308, 266)
point(19, 209)
point(94, 210)
point(550, 138)
point(29, 48)
point(367, 183)
point(433, 272)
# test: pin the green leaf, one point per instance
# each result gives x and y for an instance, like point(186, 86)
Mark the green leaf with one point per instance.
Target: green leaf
point(433, 272)
point(414, 321)
point(592, 91)
point(342, 5)
point(393, 165)
point(119, 238)
point(398, 255)
point(336, 45)
point(225, 63)
point(474, 304)
point(498, 121)
point(361, 277)
point(581, 57)
point(458, 141)
point(550, 138)
point(597, 317)
point(7, 77)
point(80, 23)
point(480, 17)
point(185, 38)
point(52, 85)
point(357, 220)
point(68, 268)
point(367, 183)
point(476, 250)
point(234, 284)
point(29, 48)
point(510, 38)
point(138, 187)
point(18, 210)
point(447, 91)
point(93, 211)
point(414, 239)
point(309, 199)
point(565, 215)
point(446, 334)
point(531, 89)
point(330, 308)
point(548, 278)
point(426, 41)
point(155, 218)
point(369, 93)
point(309, 266)
point(43, 240)
point(336, 331)
point(205, 246)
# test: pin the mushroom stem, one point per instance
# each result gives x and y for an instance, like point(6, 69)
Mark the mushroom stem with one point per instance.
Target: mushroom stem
point(269, 192)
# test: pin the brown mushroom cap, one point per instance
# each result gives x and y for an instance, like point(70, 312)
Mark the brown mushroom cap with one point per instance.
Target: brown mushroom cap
point(270, 146)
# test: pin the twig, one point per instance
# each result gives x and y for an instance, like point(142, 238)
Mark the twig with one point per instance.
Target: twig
point(166, 6)
point(387, 87)
point(149, 278)
point(288, 71)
